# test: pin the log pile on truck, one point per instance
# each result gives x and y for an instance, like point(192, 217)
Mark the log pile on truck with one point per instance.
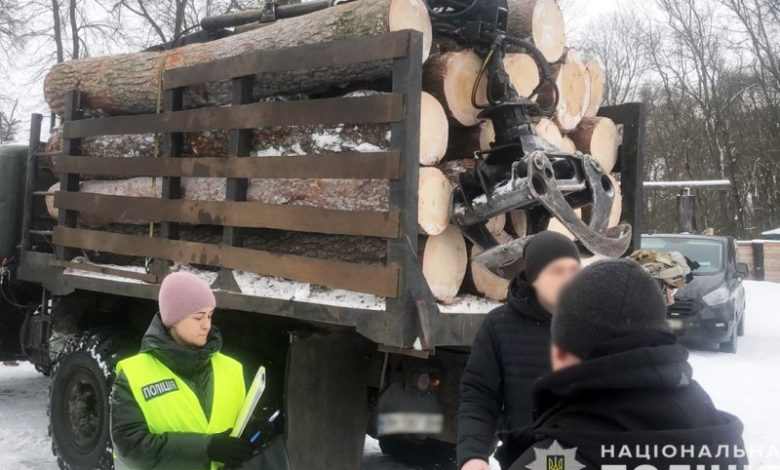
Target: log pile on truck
point(450, 132)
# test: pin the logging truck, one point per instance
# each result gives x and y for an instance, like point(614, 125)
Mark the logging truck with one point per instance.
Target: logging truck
point(333, 264)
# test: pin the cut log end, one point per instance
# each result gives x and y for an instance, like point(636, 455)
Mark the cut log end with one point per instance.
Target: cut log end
point(485, 282)
point(555, 225)
point(523, 72)
point(573, 83)
point(542, 21)
point(549, 30)
point(517, 223)
point(596, 86)
point(434, 130)
point(444, 261)
point(412, 14)
point(433, 203)
point(599, 137)
point(450, 77)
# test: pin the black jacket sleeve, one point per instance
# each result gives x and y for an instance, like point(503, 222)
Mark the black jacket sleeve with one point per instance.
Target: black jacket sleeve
point(137, 447)
point(480, 398)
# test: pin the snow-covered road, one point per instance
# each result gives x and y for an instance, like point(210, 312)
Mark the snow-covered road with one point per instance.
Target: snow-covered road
point(746, 384)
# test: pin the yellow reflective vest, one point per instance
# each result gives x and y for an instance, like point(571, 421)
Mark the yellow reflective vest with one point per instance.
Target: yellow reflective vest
point(169, 404)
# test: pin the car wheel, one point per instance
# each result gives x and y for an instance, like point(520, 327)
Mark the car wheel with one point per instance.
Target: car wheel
point(79, 401)
point(730, 346)
point(426, 453)
point(741, 325)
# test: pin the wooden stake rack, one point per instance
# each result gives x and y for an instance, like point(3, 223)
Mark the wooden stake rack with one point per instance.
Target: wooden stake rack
point(399, 165)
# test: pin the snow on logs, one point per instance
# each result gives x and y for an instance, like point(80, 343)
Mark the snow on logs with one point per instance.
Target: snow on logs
point(130, 83)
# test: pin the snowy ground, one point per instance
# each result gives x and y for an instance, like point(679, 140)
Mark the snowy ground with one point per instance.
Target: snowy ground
point(746, 384)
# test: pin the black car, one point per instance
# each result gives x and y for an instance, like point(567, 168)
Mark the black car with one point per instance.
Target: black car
point(711, 308)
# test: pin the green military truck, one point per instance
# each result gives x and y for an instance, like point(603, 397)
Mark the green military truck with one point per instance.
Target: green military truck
point(368, 351)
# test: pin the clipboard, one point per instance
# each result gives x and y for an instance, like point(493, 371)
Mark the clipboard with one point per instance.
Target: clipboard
point(250, 403)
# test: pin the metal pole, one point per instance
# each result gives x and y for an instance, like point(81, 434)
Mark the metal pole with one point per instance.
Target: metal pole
point(31, 176)
point(686, 204)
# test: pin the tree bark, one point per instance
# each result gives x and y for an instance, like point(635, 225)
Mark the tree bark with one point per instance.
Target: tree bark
point(130, 83)
point(343, 194)
point(291, 140)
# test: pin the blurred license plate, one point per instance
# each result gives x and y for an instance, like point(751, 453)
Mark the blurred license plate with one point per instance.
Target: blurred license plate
point(676, 324)
point(410, 423)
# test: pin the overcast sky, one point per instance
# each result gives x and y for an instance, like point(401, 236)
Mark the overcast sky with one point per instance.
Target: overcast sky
point(23, 84)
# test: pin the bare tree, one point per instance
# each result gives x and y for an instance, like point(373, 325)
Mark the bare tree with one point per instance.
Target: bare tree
point(618, 42)
point(168, 20)
point(9, 124)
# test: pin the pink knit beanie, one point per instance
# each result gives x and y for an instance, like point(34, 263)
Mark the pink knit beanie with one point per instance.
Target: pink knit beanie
point(182, 294)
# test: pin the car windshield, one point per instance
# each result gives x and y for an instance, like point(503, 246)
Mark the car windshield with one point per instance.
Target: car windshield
point(708, 253)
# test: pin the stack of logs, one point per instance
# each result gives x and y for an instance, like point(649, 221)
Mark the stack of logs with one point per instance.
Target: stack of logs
point(450, 132)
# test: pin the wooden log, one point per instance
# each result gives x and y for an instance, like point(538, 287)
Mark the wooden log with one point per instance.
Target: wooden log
point(292, 140)
point(434, 130)
point(483, 282)
point(497, 224)
point(523, 72)
point(568, 145)
point(542, 21)
point(599, 137)
point(340, 194)
point(355, 249)
point(596, 86)
point(452, 169)
point(130, 83)
point(617, 203)
point(545, 128)
point(555, 225)
point(573, 83)
point(444, 260)
point(134, 145)
point(517, 223)
point(450, 77)
point(433, 202)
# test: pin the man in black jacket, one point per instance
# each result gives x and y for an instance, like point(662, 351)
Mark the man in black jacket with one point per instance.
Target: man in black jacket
point(512, 349)
point(622, 392)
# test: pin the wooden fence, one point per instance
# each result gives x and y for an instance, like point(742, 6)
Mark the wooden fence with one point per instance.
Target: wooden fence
point(763, 259)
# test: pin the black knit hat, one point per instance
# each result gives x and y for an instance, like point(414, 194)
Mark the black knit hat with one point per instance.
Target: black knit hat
point(544, 248)
point(607, 300)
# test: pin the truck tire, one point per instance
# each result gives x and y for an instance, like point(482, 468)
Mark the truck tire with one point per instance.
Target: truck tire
point(79, 400)
point(425, 453)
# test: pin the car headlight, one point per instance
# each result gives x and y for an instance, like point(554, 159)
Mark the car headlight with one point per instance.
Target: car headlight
point(717, 297)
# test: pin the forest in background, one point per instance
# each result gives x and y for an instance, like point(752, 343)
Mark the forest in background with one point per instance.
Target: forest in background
point(708, 70)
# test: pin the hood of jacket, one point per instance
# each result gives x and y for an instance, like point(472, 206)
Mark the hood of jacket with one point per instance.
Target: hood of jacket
point(638, 391)
point(522, 300)
point(181, 359)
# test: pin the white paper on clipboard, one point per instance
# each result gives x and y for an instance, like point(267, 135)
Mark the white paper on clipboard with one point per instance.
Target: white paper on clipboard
point(250, 403)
